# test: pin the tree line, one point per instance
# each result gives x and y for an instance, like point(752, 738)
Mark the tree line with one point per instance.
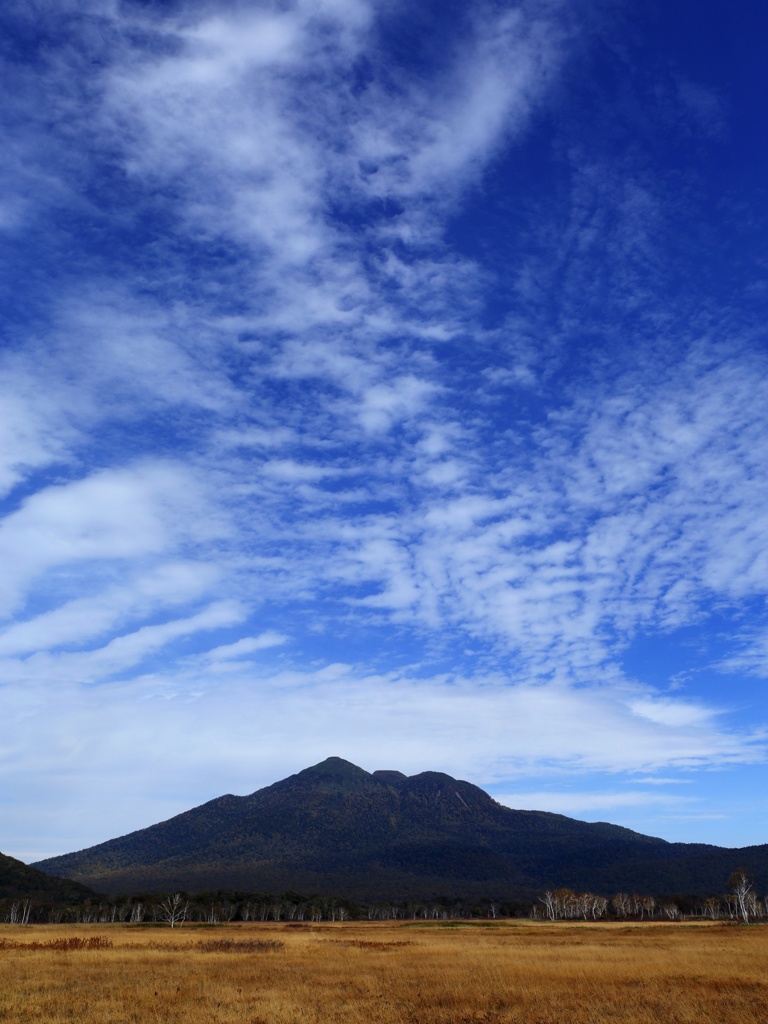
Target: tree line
point(224, 907)
point(739, 902)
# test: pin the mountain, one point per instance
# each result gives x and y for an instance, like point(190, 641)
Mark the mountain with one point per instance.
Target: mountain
point(336, 828)
point(19, 881)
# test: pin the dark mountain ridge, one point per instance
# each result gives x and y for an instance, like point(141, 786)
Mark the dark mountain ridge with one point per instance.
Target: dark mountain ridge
point(383, 835)
point(19, 881)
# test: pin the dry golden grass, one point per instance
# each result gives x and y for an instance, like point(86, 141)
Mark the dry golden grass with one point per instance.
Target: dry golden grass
point(398, 973)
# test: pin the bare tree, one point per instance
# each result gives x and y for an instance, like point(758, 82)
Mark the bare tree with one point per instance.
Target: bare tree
point(622, 904)
point(587, 903)
point(228, 910)
point(599, 907)
point(754, 907)
point(740, 885)
point(712, 907)
point(566, 903)
point(173, 909)
point(647, 905)
point(19, 912)
point(548, 899)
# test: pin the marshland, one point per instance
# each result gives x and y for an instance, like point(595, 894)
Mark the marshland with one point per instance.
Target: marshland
point(404, 972)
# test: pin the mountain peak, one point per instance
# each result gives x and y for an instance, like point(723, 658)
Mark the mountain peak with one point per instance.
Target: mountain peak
point(335, 766)
point(333, 773)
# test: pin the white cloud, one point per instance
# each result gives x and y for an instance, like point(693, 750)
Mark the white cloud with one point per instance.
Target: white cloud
point(293, 472)
point(481, 729)
point(82, 619)
point(248, 645)
point(671, 712)
point(123, 651)
point(750, 655)
point(434, 137)
point(385, 404)
point(148, 510)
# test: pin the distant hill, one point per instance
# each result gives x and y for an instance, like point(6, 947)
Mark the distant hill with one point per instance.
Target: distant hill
point(335, 828)
point(19, 881)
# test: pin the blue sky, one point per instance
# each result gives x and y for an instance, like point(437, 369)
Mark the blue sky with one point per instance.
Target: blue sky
point(387, 381)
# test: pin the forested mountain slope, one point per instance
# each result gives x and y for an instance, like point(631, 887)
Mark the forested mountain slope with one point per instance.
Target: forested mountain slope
point(19, 881)
point(382, 835)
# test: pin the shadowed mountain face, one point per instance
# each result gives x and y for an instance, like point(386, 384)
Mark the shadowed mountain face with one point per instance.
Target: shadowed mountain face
point(19, 881)
point(337, 828)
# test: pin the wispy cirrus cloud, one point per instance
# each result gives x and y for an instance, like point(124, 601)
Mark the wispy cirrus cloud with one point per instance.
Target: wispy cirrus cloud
point(337, 326)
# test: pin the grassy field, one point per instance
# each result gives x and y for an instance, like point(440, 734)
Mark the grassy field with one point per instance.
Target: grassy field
point(399, 973)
